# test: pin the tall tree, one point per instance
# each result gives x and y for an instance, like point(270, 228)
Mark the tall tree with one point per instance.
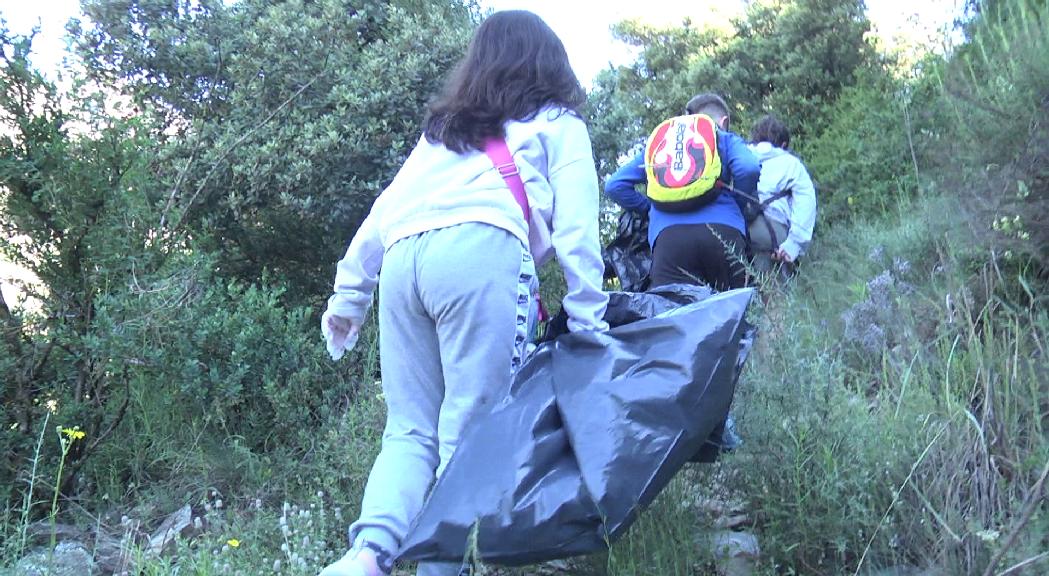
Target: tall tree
point(289, 116)
point(796, 57)
point(791, 57)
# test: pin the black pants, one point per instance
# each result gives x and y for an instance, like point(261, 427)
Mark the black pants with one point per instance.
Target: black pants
point(711, 254)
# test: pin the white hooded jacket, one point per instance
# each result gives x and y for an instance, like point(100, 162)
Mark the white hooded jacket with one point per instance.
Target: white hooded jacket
point(437, 188)
point(781, 170)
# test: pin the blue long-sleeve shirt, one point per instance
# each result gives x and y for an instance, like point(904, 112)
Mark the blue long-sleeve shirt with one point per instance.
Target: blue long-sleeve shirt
point(738, 166)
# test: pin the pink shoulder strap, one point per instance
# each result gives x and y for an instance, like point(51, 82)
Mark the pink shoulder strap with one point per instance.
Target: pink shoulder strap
point(499, 154)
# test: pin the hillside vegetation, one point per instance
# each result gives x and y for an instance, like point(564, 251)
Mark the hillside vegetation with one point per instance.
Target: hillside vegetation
point(184, 202)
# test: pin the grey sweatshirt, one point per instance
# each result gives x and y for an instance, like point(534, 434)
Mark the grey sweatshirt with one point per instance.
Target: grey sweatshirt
point(437, 188)
point(781, 170)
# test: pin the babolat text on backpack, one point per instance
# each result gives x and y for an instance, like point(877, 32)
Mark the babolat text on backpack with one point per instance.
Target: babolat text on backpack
point(682, 163)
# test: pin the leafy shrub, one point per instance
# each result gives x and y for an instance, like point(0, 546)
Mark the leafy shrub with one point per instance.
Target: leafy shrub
point(997, 95)
point(280, 122)
point(139, 337)
point(862, 160)
point(222, 371)
point(791, 58)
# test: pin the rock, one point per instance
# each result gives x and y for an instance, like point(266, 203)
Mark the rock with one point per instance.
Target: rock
point(175, 525)
point(558, 566)
point(112, 555)
point(735, 553)
point(733, 521)
point(41, 532)
point(69, 559)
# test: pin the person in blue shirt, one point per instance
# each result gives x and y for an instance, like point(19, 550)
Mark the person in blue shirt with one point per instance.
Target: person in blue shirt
point(706, 245)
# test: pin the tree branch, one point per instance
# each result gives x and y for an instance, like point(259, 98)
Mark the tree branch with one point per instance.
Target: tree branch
point(234, 146)
point(1015, 568)
point(75, 466)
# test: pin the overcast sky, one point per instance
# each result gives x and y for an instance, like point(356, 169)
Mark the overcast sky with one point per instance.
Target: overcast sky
point(583, 25)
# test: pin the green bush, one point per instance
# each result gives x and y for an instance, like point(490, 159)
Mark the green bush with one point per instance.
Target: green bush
point(76, 213)
point(226, 382)
point(996, 93)
point(862, 160)
point(177, 374)
point(794, 59)
point(280, 121)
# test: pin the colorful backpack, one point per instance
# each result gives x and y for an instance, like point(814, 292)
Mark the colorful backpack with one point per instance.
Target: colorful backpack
point(682, 163)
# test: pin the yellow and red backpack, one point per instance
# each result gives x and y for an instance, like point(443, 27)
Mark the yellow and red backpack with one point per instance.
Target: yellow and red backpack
point(682, 163)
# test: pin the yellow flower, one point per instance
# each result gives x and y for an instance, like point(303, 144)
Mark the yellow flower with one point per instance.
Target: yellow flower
point(233, 542)
point(74, 433)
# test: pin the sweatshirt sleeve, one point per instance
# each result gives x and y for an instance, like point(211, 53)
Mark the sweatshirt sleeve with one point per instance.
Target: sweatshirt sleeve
point(802, 213)
point(741, 165)
point(621, 186)
point(574, 233)
point(357, 273)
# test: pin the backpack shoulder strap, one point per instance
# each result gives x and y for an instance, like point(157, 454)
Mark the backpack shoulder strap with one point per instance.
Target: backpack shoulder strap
point(781, 194)
point(499, 153)
point(768, 225)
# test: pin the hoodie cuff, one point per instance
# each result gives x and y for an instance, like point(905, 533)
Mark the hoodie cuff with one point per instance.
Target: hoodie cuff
point(593, 326)
point(349, 307)
point(791, 248)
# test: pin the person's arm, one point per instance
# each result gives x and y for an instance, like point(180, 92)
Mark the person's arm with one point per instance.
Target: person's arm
point(574, 234)
point(357, 274)
point(802, 214)
point(621, 187)
point(741, 166)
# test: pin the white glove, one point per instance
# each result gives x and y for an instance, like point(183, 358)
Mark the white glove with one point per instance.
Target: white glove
point(340, 333)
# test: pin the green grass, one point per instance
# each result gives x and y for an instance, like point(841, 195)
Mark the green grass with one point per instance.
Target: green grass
point(916, 453)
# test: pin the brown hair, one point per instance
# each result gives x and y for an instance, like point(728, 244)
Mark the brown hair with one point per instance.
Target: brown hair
point(770, 129)
point(514, 67)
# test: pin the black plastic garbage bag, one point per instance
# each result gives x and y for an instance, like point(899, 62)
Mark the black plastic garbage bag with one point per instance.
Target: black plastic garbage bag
point(595, 425)
point(626, 307)
point(628, 256)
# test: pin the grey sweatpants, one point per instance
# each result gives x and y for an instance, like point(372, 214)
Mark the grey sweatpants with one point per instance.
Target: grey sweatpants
point(762, 245)
point(453, 305)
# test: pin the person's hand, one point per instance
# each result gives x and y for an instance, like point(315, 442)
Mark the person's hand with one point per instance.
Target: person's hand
point(340, 333)
point(354, 563)
point(780, 255)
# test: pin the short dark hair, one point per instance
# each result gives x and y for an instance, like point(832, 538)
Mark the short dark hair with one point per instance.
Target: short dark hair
point(770, 129)
point(514, 67)
point(708, 103)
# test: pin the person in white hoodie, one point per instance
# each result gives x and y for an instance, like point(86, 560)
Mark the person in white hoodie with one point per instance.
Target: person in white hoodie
point(458, 253)
point(782, 231)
